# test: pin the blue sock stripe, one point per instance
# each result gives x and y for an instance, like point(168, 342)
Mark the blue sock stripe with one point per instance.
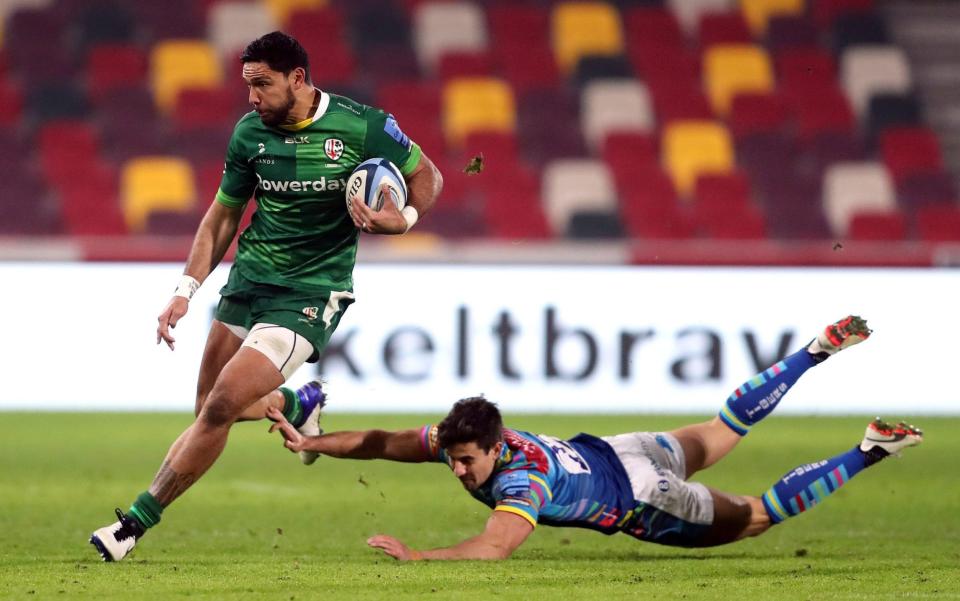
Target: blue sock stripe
point(843, 472)
point(834, 485)
point(818, 490)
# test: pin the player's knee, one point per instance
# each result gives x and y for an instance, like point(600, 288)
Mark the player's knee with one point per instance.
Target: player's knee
point(218, 411)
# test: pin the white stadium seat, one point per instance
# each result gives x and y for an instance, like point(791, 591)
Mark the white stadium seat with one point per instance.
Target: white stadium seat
point(572, 185)
point(850, 188)
point(233, 25)
point(869, 70)
point(609, 105)
point(447, 27)
point(688, 11)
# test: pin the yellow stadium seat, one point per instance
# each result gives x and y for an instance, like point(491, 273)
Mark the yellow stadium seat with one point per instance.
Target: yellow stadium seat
point(692, 148)
point(585, 28)
point(154, 183)
point(758, 12)
point(477, 104)
point(179, 64)
point(281, 9)
point(731, 69)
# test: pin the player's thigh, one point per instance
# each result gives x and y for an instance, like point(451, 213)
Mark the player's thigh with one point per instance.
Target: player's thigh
point(223, 342)
point(314, 315)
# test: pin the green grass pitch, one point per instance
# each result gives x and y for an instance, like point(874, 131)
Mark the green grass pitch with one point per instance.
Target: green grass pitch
point(261, 526)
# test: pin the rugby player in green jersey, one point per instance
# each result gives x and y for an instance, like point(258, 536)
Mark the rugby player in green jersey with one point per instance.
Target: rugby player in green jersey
point(292, 277)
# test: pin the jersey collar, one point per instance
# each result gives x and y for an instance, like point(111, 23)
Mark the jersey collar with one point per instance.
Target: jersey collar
point(321, 110)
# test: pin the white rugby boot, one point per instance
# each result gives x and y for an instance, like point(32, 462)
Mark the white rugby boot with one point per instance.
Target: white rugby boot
point(114, 542)
point(837, 336)
point(891, 438)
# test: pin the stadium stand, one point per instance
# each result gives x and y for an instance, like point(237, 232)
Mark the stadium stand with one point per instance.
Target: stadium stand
point(770, 120)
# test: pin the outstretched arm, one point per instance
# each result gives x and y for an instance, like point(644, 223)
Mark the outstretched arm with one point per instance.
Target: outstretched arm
point(503, 534)
point(403, 445)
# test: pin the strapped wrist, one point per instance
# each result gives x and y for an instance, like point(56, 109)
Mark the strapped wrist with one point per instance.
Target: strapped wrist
point(187, 288)
point(410, 215)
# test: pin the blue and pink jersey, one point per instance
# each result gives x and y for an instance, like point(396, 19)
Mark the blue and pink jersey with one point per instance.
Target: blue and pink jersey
point(577, 482)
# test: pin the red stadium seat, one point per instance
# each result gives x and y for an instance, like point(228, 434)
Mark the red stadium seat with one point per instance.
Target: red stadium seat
point(652, 27)
point(719, 193)
point(745, 223)
point(821, 111)
point(12, 102)
point(498, 148)
point(205, 108)
point(825, 12)
point(308, 23)
point(67, 149)
point(724, 28)
point(878, 226)
point(909, 150)
point(752, 113)
point(113, 66)
point(465, 64)
point(416, 105)
point(939, 223)
point(512, 206)
point(927, 188)
point(650, 207)
point(626, 152)
point(90, 206)
point(805, 69)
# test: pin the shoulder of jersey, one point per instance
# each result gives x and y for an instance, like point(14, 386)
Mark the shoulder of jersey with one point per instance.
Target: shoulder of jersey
point(342, 104)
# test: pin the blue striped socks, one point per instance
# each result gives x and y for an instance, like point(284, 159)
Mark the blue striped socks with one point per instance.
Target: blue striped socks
point(805, 486)
point(757, 397)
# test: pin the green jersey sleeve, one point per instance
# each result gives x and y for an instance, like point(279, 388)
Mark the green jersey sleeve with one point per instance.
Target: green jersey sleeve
point(385, 139)
point(239, 178)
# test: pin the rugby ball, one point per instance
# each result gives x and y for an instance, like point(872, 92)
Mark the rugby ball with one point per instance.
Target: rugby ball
point(366, 180)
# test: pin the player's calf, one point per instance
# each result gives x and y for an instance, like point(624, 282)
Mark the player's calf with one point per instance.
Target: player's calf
point(808, 485)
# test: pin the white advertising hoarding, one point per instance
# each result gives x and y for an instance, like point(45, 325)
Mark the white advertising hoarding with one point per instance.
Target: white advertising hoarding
point(532, 338)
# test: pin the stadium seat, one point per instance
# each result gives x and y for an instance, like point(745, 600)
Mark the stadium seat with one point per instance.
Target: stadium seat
point(859, 29)
point(55, 100)
point(734, 69)
point(820, 111)
point(571, 186)
point(308, 23)
point(113, 66)
point(939, 223)
point(377, 24)
point(850, 188)
point(768, 158)
point(723, 28)
point(759, 12)
point(591, 68)
point(34, 45)
point(416, 106)
point(829, 147)
point(91, 206)
point(338, 67)
point(909, 150)
point(582, 29)
point(791, 32)
point(805, 70)
point(285, 12)
point(744, 223)
point(101, 23)
point(594, 225)
point(179, 64)
point(477, 104)
point(512, 207)
point(171, 19)
point(649, 207)
point(232, 24)
point(878, 226)
point(825, 12)
point(892, 110)
point(520, 41)
point(752, 113)
point(692, 148)
point(541, 139)
point(67, 149)
point(209, 108)
point(649, 29)
point(627, 152)
point(680, 103)
point(385, 64)
point(927, 189)
point(614, 105)
point(440, 27)
point(870, 70)
point(40, 217)
point(465, 64)
point(12, 102)
point(150, 184)
point(688, 11)
point(716, 193)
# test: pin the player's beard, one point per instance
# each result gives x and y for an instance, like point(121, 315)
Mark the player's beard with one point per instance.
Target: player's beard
point(272, 118)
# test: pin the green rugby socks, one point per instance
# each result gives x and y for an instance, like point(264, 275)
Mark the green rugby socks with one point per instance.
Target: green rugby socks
point(147, 510)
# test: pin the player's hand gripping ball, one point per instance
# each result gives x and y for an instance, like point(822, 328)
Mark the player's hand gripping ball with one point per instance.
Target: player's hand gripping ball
point(367, 180)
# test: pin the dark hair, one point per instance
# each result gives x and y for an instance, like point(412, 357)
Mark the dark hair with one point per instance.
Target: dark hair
point(279, 51)
point(471, 420)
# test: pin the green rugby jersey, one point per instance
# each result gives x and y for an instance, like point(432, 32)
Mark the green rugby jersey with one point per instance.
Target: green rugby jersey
point(301, 235)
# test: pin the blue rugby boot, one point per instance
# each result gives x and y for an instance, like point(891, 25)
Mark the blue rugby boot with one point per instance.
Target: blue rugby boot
point(312, 399)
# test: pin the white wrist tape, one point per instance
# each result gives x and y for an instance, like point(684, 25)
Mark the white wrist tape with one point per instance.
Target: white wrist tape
point(187, 288)
point(410, 215)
